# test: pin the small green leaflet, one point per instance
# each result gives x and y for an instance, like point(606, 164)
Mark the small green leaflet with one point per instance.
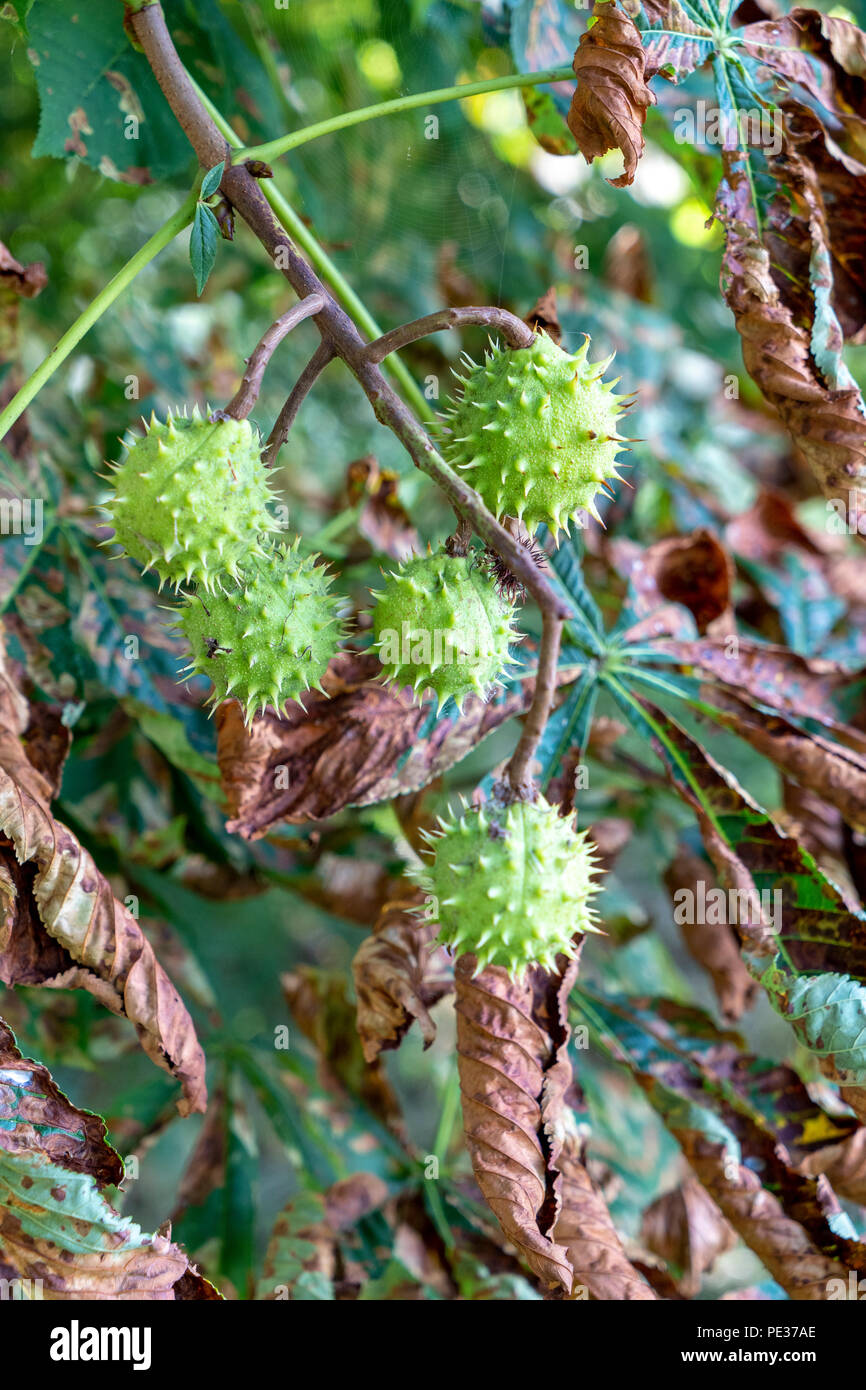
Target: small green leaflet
point(203, 245)
point(211, 181)
point(205, 229)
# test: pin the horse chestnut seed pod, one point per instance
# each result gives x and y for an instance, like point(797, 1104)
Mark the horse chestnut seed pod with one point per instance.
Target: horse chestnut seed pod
point(440, 624)
point(510, 884)
point(535, 430)
point(190, 499)
point(268, 638)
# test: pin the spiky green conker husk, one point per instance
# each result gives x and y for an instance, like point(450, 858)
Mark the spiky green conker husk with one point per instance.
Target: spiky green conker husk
point(191, 499)
point(511, 884)
point(269, 638)
point(535, 430)
point(440, 624)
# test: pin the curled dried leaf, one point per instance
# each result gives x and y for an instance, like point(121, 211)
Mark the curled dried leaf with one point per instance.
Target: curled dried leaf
point(609, 107)
point(382, 520)
point(399, 976)
point(821, 407)
point(602, 1269)
point(510, 1042)
point(63, 927)
point(687, 1229)
point(359, 743)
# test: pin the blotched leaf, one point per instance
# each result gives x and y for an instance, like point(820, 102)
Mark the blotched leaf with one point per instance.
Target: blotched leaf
point(56, 1227)
point(69, 931)
point(99, 98)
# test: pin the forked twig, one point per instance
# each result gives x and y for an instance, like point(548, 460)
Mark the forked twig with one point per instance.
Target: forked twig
point(247, 393)
point(514, 330)
point(279, 434)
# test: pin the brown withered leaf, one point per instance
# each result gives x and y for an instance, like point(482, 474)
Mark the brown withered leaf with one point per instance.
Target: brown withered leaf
point(837, 774)
point(355, 889)
point(788, 1218)
point(399, 975)
point(824, 55)
point(806, 687)
point(382, 520)
point(602, 1269)
point(56, 1227)
point(843, 1165)
point(510, 1037)
point(455, 287)
point(358, 744)
point(320, 1005)
point(515, 1080)
point(610, 103)
point(790, 1248)
point(544, 316)
point(714, 947)
point(694, 571)
point(19, 281)
point(627, 265)
point(610, 835)
point(770, 528)
point(47, 741)
point(64, 929)
point(824, 420)
point(583, 1225)
point(687, 1229)
point(205, 1169)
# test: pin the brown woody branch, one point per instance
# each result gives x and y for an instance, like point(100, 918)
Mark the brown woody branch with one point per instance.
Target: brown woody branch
point(519, 770)
point(338, 331)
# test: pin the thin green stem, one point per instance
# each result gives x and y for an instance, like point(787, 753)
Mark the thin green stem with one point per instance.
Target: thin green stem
point(272, 149)
point(450, 1109)
point(292, 223)
point(441, 1145)
point(94, 311)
